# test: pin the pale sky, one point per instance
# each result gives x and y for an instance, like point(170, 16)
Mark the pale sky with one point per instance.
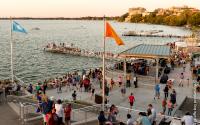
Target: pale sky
point(80, 8)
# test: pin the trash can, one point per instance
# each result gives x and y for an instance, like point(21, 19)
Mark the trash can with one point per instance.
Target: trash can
point(98, 99)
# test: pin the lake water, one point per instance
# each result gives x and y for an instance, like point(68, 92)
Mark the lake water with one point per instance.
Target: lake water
point(31, 63)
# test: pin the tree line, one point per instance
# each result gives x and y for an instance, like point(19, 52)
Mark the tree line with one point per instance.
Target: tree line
point(187, 17)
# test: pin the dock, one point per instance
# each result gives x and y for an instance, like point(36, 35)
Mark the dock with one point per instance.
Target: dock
point(75, 51)
point(154, 35)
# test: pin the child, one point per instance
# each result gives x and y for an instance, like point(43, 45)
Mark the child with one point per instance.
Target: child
point(170, 107)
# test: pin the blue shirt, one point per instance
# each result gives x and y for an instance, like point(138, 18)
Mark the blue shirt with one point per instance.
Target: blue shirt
point(157, 88)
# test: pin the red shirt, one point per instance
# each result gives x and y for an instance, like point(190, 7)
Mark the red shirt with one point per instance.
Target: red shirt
point(131, 98)
point(68, 112)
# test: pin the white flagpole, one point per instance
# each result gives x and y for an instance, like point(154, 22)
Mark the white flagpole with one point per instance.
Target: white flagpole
point(11, 51)
point(103, 82)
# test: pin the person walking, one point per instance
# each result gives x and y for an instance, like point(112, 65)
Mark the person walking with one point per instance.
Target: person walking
point(181, 80)
point(131, 100)
point(166, 91)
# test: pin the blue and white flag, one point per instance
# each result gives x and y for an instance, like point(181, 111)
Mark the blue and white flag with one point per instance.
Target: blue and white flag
point(16, 27)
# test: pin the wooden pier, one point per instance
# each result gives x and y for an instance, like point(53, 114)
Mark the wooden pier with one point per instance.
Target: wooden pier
point(70, 50)
point(155, 35)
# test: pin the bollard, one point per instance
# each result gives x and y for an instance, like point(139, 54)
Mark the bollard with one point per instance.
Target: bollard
point(4, 96)
point(85, 117)
point(22, 114)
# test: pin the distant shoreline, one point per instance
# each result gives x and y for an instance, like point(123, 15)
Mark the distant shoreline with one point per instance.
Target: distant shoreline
point(60, 18)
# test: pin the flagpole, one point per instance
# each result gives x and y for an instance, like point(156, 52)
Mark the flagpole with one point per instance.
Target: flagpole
point(103, 82)
point(11, 51)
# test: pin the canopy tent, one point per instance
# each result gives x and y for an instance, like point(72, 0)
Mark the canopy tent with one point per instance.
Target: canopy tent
point(181, 45)
point(147, 51)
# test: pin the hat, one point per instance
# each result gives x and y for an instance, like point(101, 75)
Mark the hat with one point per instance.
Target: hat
point(52, 98)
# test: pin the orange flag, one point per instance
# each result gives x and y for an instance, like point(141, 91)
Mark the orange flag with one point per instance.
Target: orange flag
point(111, 33)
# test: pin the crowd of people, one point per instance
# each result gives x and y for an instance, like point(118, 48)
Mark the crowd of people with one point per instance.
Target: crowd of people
point(53, 112)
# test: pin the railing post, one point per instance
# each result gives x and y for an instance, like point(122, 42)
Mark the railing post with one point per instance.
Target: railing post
point(22, 114)
point(20, 110)
point(4, 96)
point(85, 117)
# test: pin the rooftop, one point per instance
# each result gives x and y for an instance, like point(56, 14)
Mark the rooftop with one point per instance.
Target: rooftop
point(148, 51)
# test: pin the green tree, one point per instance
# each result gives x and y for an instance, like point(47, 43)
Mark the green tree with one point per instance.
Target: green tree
point(136, 18)
point(123, 17)
point(194, 20)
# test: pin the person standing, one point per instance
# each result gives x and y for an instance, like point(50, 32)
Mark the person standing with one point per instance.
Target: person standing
point(135, 81)
point(173, 97)
point(170, 107)
point(44, 86)
point(111, 83)
point(157, 91)
point(128, 80)
point(187, 119)
point(164, 104)
point(101, 118)
point(74, 96)
point(153, 111)
point(143, 119)
point(59, 111)
point(131, 100)
point(129, 120)
point(67, 112)
point(120, 80)
point(166, 91)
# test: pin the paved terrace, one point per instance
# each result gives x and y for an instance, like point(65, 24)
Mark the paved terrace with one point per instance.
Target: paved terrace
point(144, 95)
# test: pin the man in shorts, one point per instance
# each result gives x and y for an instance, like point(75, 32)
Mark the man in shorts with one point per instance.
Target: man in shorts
point(131, 100)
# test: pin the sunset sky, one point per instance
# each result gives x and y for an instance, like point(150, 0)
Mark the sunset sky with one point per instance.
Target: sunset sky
point(79, 8)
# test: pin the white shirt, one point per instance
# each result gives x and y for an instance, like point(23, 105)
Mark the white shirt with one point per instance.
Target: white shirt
point(188, 119)
point(59, 110)
point(153, 111)
point(130, 121)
